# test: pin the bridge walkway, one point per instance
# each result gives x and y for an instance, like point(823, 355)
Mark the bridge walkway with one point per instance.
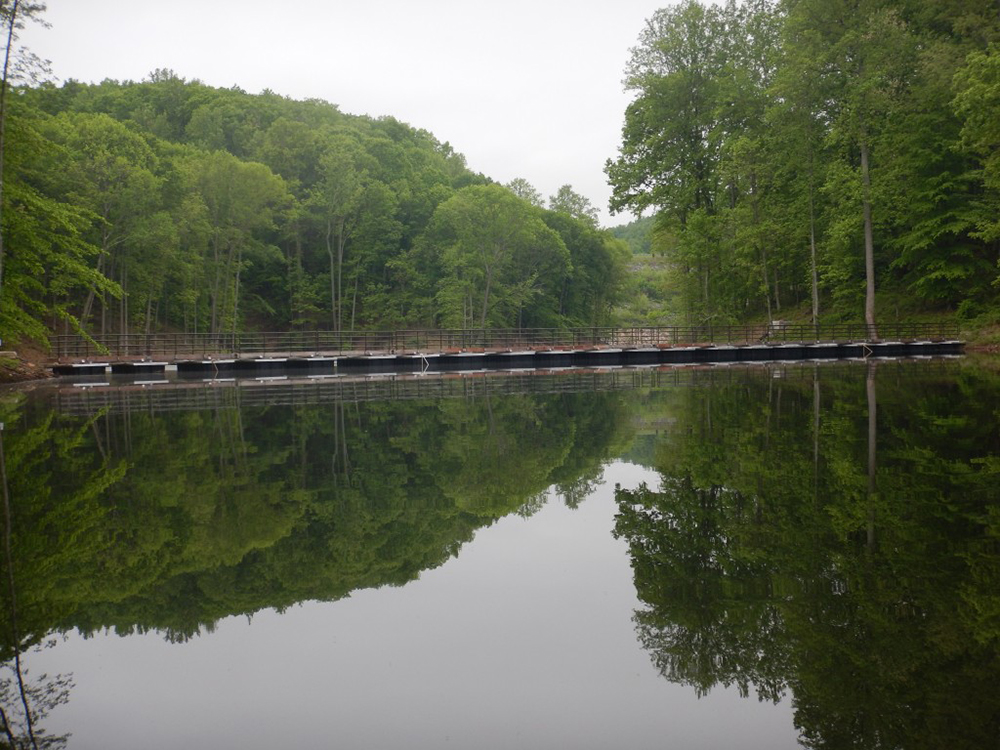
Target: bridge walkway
point(199, 355)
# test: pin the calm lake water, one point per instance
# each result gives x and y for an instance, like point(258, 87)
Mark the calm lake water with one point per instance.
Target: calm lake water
point(763, 557)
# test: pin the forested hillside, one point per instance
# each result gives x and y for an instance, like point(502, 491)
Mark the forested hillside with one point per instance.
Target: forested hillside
point(638, 234)
point(171, 205)
point(817, 154)
point(793, 157)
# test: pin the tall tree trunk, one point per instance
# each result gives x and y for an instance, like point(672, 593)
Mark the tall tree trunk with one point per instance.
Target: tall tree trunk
point(333, 274)
point(11, 24)
point(763, 249)
point(869, 239)
point(341, 244)
point(214, 326)
point(812, 254)
point(88, 305)
point(767, 282)
point(354, 299)
point(236, 290)
point(123, 307)
point(486, 296)
point(227, 287)
point(706, 296)
point(295, 269)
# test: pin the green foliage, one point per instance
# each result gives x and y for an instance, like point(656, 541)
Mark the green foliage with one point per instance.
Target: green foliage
point(499, 261)
point(597, 275)
point(977, 101)
point(648, 299)
point(170, 205)
point(637, 234)
point(568, 201)
point(781, 141)
point(525, 191)
point(49, 251)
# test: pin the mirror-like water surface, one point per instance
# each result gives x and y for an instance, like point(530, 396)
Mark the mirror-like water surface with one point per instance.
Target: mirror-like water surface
point(762, 557)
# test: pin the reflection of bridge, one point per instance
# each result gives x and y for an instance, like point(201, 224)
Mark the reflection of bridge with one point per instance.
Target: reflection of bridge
point(422, 350)
point(124, 394)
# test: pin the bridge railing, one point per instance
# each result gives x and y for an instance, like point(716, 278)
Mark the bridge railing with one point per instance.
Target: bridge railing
point(263, 344)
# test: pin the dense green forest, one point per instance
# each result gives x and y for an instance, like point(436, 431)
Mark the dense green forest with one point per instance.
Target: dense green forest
point(171, 205)
point(810, 156)
point(637, 234)
point(790, 156)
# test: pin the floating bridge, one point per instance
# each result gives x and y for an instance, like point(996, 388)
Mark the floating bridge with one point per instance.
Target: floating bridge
point(319, 353)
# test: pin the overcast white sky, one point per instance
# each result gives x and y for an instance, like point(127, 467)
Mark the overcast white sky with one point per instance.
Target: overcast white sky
point(523, 89)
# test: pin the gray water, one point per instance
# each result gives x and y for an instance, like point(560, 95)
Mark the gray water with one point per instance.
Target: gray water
point(757, 557)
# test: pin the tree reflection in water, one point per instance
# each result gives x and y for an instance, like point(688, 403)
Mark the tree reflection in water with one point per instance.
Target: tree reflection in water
point(24, 701)
point(139, 521)
point(779, 555)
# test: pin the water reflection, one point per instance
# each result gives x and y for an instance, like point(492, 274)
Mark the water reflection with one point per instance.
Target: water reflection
point(836, 540)
point(170, 521)
point(25, 700)
point(828, 534)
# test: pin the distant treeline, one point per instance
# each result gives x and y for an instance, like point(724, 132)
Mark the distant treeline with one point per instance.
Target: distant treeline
point(172, 205)
point(638, 234)
point(802, 150)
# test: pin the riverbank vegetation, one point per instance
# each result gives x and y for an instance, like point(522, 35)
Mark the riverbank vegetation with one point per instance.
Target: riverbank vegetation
point(796, 159)
point(171, 205)
point(803, 157)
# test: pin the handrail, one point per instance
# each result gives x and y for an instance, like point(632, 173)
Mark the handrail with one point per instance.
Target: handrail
point(264, 343)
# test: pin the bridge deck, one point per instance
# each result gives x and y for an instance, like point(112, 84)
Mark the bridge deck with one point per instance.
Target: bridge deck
point(249, 362)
